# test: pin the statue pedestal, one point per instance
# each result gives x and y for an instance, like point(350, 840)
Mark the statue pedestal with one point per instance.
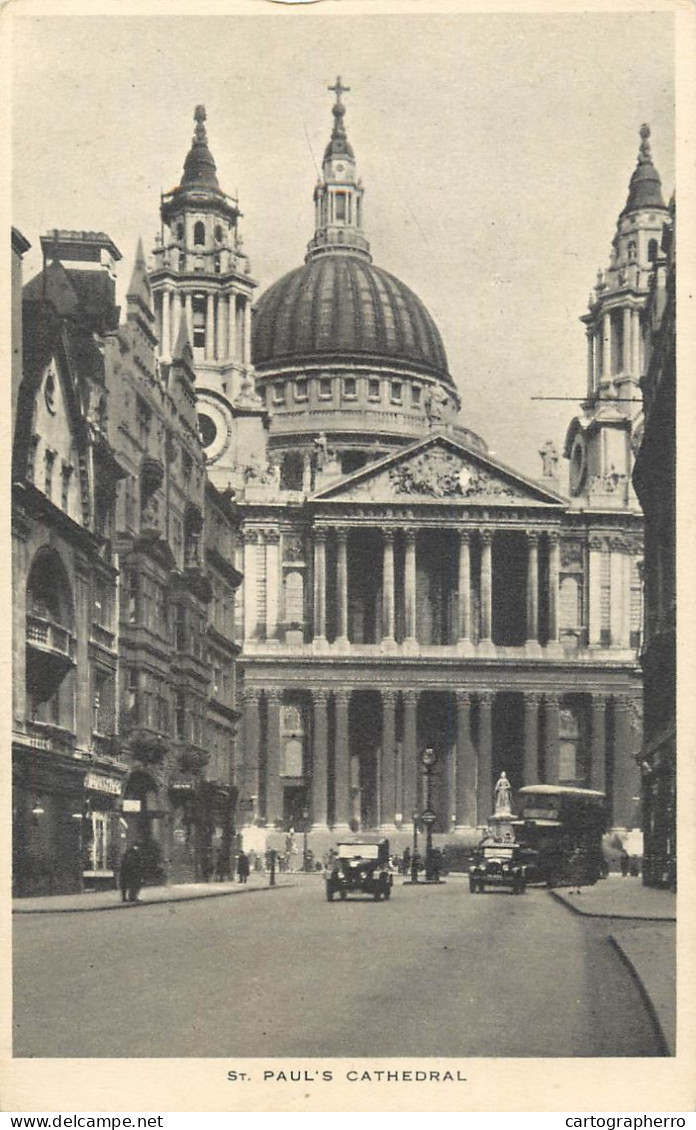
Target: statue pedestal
point(500, 827)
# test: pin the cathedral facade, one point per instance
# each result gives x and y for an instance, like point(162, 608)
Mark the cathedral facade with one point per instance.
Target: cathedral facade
point(403, 588)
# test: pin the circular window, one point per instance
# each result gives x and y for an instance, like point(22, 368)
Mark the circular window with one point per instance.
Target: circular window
point(207, 429)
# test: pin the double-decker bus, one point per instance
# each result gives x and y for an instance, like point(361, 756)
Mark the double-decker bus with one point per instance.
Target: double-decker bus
point(553, 821)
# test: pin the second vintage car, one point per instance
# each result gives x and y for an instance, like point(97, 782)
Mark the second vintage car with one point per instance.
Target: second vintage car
point(499, 864)
point(360, 866)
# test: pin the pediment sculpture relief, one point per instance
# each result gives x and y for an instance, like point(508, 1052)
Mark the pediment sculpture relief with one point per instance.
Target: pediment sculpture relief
point(442, 475)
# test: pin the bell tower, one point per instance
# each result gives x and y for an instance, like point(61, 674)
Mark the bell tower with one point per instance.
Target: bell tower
point(202, 288)
point(601, 442)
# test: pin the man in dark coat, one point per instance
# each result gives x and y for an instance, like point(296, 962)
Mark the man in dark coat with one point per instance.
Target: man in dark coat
point(243, 866)
point(131, 874)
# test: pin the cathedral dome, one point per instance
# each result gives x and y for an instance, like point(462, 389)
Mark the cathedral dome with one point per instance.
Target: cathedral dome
point(340, 306)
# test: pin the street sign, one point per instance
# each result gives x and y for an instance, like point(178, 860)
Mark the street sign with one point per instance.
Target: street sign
point(428, 817)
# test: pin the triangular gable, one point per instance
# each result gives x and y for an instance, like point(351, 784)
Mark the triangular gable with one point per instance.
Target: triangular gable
point(439, 470)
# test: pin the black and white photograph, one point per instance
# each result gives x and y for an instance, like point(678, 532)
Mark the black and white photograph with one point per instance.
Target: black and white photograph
point(342, 474)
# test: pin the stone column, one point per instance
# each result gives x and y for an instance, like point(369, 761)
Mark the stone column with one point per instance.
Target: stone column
point(554, 571)
point(249, 587)
point(465, 802)
point(342, 587)
point(606, 346)
point(249, 785)
point(320, 756)
point(464, 596)
point(532, 586)
point(486, 586)
point(246, 314)
point(389, 805)
point(635, 343)
point(274, 791)
point(166, 324)
point(388, 611)
point(552, 739)
point(590, 362)
point(410, 588)
point(598, 766)
point(220, 341)
point(484, 788)
point(410, 768)
point(595, 591)
point(272, 583)
point(531, 738)
point(231, 327)
point(320, 584)
point(627, 366)
point(188, 305)
point(342, 808)
point(210, 328)
point(626, 784)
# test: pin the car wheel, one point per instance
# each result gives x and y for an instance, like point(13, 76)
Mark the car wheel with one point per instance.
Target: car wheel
point(377, 895)
point(343, 894)
point(329, 894)
point(472, 886)
point(387, 891)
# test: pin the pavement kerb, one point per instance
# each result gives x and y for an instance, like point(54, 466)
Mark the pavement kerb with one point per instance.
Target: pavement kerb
point(576, 909)
point(645, 995)
point(193, 897)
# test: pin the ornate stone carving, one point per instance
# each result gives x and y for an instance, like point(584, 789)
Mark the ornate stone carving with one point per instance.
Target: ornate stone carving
point(572, 554)
point(293, 549)
point(441, 474)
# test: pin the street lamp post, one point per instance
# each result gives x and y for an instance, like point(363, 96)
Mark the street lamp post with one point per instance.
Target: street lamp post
point(305, 830)
point(414, 853)
point(428, 761)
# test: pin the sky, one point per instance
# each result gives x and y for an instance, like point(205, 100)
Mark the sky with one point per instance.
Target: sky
point(495, 151)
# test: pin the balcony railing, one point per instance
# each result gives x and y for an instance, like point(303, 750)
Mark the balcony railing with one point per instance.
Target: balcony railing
point(46, 635)
point(48, 736)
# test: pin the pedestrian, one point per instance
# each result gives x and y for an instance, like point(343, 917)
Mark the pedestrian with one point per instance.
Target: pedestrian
point(406, 861)
point(624, 863)
point(222, 868)
point(576, 868)
point(415, 866)
point(243, 867)
point(131, 874)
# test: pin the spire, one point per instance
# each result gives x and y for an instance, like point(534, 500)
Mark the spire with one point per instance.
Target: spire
point(182, 350)
point(199, 166)
point(645, 189)
point(339, 145)
point(139, 288)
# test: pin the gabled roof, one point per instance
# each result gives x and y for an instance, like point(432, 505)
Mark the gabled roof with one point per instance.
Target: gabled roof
point(439, 470)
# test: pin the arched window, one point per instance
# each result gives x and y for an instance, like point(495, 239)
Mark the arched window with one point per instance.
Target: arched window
point(179, 231)
point(199, 234)
point(632, 251)
point(652, 250)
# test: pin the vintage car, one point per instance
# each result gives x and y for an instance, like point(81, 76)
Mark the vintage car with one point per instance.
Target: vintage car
point(499, 864)
point(360, 866)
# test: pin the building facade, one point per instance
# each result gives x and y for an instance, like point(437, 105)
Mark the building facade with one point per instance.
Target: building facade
point(404, 589)
point(654, 476)
point(67, 769)
point(125, 713)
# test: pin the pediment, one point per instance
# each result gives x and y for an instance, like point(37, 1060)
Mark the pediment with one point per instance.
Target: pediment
point(439, 470)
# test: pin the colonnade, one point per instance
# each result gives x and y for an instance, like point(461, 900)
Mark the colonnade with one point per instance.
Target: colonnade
point(464, 583)
point(227, 323)
point(600, 349)
point(468, 759)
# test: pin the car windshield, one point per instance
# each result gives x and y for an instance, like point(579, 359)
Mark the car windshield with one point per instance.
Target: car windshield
point(358, 851)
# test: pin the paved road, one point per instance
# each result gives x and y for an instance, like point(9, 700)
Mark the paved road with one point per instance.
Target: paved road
point(433, 972)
